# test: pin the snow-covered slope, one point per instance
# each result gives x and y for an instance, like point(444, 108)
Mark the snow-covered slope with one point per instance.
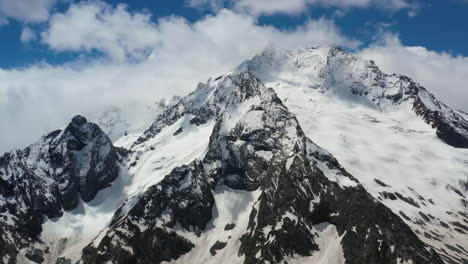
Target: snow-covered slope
point(377, 127)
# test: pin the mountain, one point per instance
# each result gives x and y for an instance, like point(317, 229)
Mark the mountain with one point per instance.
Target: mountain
point(48, 178)
point(241, 171)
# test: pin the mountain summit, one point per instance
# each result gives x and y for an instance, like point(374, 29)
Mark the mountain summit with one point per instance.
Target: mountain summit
point(340, 74)
point(241, 171)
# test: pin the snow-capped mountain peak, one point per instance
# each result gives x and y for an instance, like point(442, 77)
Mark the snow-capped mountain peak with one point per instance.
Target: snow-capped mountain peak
point(352, 80)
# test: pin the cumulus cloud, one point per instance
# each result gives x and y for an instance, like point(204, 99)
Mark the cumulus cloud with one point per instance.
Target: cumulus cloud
point(27, 35)
point(41, 98)
point(27, 10)
point(98, 26)
point(441, 73)
point(268, 7)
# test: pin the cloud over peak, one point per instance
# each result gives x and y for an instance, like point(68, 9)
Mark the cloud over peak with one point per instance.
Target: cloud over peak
point(183, 53)
point(123, 35)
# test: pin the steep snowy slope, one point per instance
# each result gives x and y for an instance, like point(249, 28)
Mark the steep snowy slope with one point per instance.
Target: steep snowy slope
point(262, 192)
point(377, 127)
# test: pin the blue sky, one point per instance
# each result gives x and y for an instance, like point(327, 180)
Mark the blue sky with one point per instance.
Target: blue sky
point(59, 58)
point(436, 25)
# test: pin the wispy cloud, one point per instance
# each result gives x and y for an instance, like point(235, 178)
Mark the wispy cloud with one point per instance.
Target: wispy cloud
point(27, 35)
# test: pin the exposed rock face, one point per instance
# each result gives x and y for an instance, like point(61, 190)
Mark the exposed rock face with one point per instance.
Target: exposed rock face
point(451, 125)
point(256, 145)
point(48, 177)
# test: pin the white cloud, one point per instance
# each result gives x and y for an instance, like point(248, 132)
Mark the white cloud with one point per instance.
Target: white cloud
point(27, 10)
point(27, 35)
point(122, 35)
point(441, 73)
point(98, 26)
point(41, 98)
point(292, 7)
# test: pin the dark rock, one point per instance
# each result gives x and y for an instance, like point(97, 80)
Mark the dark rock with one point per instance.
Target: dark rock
point(381, 183)
point(178, 131)
point(407, 199)
point(405, 216)
point(455, 190)
point(217, 246)
point(229, 226)
point(63, 261)
point(444, 224)
point(424, 216)
point(388, 195)
point(35, 255)
point(460, 225)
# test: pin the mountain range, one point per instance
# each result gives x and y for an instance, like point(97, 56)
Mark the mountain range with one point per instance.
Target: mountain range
point(311, 155)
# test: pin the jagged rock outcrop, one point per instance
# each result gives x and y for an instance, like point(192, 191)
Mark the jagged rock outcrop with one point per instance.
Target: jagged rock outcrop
point(257, 145)
point(49, 177)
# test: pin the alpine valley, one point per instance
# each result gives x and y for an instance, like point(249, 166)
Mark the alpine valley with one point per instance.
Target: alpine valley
point(304, 156)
